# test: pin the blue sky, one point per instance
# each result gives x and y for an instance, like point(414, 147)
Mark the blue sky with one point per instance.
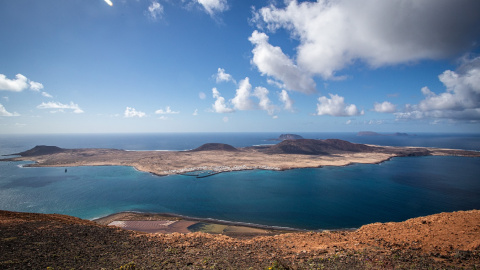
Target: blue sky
point(236, 65)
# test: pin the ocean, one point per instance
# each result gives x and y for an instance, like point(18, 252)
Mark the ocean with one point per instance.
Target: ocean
point(310, 199)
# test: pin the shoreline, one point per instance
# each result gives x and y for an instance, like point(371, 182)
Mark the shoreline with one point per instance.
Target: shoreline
point(214, 158)
point(226, 169)
point(168, 223)
point(101, 220)
point(36, 164)
point(184, 171)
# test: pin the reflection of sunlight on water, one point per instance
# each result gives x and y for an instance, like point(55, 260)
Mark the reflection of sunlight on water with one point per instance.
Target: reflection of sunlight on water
point(23, 164)
point(32, 205)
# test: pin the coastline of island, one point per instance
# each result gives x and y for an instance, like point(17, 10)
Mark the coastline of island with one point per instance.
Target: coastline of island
point(214, 158)
point(199, 241)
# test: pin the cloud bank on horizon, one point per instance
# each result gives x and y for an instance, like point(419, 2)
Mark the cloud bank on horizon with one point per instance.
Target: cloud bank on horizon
point(304, 59)
point(460, 101)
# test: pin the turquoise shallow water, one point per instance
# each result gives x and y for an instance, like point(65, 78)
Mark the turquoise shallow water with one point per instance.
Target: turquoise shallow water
point(323, 198)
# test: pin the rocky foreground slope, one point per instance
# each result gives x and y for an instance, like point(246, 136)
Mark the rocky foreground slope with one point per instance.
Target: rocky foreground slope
point(38, 241)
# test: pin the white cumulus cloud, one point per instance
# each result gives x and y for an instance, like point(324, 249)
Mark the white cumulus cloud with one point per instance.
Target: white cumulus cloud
point(264, 102)
point(336, 34)
point(155, 10)
point(213, 6)
point(45, 94)
point(36, 86)
point(275, 83)
point(219, 106)
point(271, 61)
point(460, 101)
point(131, 112)
point(60, 106)
point(286, 100)
point(18, 84)
point(4, 112)
point(222, 76)
point(384, 107)
point(242, 100)
point(202, 95)
point(335, 106)
point(167, 110)
point(195, 113)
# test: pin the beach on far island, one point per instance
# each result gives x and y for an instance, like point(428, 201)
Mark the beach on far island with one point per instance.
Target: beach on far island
point(217, 157)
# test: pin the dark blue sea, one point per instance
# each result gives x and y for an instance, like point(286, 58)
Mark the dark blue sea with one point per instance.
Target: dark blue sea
point(321, 198)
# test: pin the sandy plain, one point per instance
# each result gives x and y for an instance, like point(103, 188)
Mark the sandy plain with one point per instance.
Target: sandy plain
point(164, 163)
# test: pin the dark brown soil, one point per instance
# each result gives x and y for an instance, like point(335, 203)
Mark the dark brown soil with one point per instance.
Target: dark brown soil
point(38, 241)
point(215, 147)
point(41, 150)
point(317, 147)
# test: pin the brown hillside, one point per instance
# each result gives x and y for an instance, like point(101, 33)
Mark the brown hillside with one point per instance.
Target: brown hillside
point(316, 147)
point(38, 241)
point(41, 150)
point(215, 147)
